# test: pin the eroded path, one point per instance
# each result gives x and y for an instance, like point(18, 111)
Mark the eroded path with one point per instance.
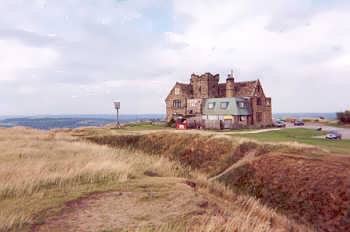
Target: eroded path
point(154, 202)
point(165, 204)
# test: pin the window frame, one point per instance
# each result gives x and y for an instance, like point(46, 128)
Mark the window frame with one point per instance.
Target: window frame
point(259, 101)
point(268, 102)
point(211, 104)
point(226, 105)
point(242, 118)
point(177, 91)
point(244, 104)
point(177, 104)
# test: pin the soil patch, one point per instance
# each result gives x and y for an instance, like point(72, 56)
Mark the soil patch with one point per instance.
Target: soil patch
point(145, 204)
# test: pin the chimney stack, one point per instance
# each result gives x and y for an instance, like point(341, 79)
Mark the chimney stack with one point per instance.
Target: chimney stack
point(230, 85)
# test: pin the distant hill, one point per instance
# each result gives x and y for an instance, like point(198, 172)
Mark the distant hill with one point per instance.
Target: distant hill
point(73, 121)
point(305, 115)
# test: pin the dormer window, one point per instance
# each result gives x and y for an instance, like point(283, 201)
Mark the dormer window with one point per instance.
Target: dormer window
point(242, 105)
point(211, 105)
point(223, 105)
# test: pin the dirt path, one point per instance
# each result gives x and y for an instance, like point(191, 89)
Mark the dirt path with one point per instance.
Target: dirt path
point(153, 202)
point(250, 157)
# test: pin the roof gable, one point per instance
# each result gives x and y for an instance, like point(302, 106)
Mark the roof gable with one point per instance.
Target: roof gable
point(246, 88)
point(242, 89)
point(186, 89)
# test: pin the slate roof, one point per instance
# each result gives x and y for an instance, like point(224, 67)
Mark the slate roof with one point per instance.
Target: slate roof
point(232, 108)
point(242, 89)
point(185, 88)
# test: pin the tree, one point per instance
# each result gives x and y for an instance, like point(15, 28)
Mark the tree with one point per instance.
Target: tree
point(344, 117)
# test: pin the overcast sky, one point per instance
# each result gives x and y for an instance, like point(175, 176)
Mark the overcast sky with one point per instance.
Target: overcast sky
point(75, 57)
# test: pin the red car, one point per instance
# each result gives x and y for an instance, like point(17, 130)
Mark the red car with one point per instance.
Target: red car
point(181, 124)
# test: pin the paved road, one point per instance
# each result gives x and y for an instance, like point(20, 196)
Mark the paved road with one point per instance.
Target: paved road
point(344, 131)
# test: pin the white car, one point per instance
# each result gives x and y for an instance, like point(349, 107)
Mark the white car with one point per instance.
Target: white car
point(334, 135)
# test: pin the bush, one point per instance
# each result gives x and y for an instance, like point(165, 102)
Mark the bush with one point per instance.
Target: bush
point(171, 123)
point(344, 117)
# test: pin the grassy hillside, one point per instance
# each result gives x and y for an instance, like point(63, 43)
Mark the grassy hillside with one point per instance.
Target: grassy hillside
point(51, 181)
point(305, 182)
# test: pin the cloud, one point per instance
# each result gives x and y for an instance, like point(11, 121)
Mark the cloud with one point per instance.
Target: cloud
point(16, 58)
point(299, 50)
point(78, 56)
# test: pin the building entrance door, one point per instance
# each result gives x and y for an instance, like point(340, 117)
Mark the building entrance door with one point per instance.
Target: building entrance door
point(227, 123)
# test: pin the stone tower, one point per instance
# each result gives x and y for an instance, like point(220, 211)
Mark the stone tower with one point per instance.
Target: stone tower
point(205, 86)
point(230, 85)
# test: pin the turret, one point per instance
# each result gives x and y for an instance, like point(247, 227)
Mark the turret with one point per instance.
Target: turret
point(230, 85)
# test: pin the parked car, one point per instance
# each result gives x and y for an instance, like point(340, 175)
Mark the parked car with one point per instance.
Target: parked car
point(333, 135)
point(299, 123)
point(181, 123)
point(279, 124)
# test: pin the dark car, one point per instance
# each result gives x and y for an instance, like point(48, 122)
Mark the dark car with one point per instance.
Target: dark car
point(299, 123)
point(333, 135)
point(279, 124)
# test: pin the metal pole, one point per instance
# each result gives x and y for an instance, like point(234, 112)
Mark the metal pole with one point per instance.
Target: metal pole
point(118, 118)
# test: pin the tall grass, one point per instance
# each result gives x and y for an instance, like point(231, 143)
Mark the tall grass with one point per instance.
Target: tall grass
point(40, 171)
point(34, 162)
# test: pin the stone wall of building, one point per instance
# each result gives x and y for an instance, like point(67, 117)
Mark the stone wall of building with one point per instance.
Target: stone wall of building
point(205, 86)
point(261, 109)
point(194, 106)
point(176, 94)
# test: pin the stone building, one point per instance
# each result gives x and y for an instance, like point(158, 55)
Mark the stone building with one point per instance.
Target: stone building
point(231, 104)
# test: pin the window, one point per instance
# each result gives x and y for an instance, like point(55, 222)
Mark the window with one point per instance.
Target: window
point(268, 102)
point(177, 104)
point(242, 118)
point(193, 102)
point(242, 105)
point(211, 105)
point(259, 116)
point(177, 91)
point(259, 102)
point(223, 105)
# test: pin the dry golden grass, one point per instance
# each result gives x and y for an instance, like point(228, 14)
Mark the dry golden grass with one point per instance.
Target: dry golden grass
point(34, 162)
point(40, 171)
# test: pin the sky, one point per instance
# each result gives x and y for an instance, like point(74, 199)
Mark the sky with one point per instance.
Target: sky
point(76, 57)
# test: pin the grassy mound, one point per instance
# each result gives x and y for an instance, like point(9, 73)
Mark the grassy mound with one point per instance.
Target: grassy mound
point(208, 154)
point(300, 181)
point(311, 190)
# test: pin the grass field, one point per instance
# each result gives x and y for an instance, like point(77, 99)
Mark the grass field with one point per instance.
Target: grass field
point(301, 135)
point(61, 183)
point(39, 170)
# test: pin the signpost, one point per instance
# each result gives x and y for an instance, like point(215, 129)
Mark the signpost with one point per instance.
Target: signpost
point(117, 107)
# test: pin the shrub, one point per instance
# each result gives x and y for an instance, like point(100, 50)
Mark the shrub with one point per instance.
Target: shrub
point(344, 117)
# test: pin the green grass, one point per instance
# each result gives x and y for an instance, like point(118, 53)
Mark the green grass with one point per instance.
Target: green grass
point(144, 126)
point(301, 135)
